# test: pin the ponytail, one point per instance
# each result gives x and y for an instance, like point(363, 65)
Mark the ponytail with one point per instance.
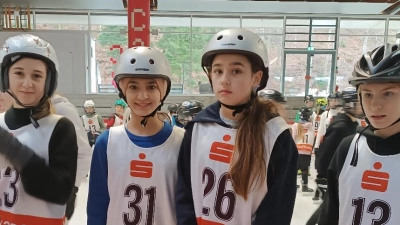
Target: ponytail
point(44, 110)
point(248, 162)
point(300, 132)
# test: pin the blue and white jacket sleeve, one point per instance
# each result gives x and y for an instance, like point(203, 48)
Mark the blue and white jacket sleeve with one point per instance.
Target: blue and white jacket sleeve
point(98, 199)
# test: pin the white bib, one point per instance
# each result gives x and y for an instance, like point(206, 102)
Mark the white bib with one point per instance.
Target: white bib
point(369, 192)
point(91, 124)
point(141, 181)
point(16, 206)
point(215, 202)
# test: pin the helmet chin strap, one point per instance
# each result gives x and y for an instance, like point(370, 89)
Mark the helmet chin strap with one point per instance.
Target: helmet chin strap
point(32, 108)
point(239, 108)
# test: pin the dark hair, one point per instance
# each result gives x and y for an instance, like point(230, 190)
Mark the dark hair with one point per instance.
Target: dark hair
point(248, 162)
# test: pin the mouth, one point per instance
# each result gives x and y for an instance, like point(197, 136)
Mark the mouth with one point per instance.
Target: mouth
point(378, 117)
point(142, 104)
point(26, 92)
point(225, 92)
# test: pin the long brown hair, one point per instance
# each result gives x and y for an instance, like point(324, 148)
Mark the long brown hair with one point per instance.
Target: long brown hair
point(44, 110)
point(248, 162)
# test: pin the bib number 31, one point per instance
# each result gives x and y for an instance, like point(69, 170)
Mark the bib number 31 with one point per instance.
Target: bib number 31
point(137, 192)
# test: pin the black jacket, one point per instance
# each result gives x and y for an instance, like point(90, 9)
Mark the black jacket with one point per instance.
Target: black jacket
point(341, 127)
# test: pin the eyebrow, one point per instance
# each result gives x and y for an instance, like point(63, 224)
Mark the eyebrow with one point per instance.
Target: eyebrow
point(231, 64)
point(20, 68)
point(385, 89)
point(135, 82)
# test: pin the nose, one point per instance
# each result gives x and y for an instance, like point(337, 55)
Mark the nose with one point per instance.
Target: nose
point(225, 78)
point(142, 95)
point(27, 82)
point(376, 103)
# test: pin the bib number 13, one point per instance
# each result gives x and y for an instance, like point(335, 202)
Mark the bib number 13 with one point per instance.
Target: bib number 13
point(137, 192)
point(384, 209)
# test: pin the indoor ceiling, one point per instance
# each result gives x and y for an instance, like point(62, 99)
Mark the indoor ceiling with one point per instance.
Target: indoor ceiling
point(266, 6)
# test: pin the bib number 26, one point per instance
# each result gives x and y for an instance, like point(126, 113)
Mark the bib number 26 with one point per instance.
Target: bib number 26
point(222, 195)
point(137, 192)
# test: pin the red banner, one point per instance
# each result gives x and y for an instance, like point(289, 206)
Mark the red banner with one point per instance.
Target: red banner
point(138, 23)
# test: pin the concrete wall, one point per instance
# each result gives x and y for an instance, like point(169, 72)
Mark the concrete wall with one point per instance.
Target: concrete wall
point(105, 102)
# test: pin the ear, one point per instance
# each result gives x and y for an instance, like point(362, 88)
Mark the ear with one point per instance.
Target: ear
point(257, 78)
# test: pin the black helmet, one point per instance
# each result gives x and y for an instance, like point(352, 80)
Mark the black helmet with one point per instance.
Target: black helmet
point(334, 95)
point(187, 110)
point(382, 65)
point(308, 98)
point(305, 113)
point(349, 101)
point(172, 108)
point(272, 94)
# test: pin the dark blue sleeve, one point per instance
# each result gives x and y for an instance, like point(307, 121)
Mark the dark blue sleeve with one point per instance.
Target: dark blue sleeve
point(98, 198)
point(278, 204)
point(183, 196)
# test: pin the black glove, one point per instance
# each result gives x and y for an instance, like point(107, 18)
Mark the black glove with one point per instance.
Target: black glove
point(15, 152)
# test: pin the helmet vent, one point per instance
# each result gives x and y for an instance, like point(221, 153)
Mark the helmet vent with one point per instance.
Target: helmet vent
point(133, 61)
point(151, 61)
point(219, 37)
point(240, 37)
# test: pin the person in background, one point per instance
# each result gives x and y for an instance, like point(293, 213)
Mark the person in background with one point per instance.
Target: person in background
point(321, 103)
point(93, 122)
point(5, 101)
point(308, 103)
point(127, 115)
point(65, 108)
point(133, 173)
point(41, 147)
point(238, 161)
point(276, 96)
point(117, 118)
point(327, 117)
point(303, 136)
point(187, 110)
point(363, 176)
point(344, 124)
point(172, 112)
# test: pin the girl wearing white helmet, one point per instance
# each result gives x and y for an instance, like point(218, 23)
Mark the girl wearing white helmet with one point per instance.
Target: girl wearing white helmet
point(133, 173)
point(5, 101)
point(238, 161)
point(93, 122)
point(42, 148)
point(363, 176)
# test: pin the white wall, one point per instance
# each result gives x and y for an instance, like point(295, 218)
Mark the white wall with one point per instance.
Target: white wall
point(71, 50)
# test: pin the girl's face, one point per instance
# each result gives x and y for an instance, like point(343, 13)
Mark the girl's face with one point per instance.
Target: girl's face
point(27, 80)
point(89, 110)
point(309, 103)
point(119, 110)
point(381, 103)
point(333, 102)
point(232, 78)
point(5, 102)
point(143, 95)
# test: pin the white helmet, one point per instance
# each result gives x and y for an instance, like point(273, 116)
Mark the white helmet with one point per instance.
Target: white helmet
point(143, 62)
point(27, 45)
point(88, 103)
point(238, 41)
